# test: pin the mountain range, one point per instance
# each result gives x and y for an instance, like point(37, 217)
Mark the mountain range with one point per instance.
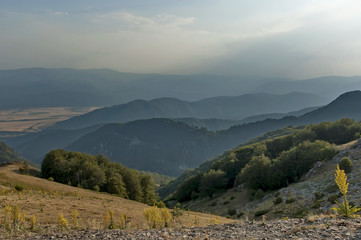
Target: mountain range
point(64, 87)
point(229, 108)
point(168, 147)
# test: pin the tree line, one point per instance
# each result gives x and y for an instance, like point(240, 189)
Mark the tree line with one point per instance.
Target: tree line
point(271, 164)
point(98, 173)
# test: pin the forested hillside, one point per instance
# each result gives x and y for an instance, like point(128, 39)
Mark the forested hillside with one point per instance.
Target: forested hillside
point(270, 164)
point(98, 173)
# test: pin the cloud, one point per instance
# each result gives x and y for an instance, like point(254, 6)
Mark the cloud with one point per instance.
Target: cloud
point(160, 23)
point(299, 39)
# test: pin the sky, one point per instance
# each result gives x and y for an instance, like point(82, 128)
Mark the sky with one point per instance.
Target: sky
point(295, 39)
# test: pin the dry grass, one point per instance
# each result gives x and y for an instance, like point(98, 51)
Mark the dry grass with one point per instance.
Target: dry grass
point(46, 200)
point(35, 119)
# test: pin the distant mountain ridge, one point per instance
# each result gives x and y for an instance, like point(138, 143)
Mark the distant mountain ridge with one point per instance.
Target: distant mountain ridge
point(46, 87)
point(41, 87)
point(230, 108)
point(329, 86)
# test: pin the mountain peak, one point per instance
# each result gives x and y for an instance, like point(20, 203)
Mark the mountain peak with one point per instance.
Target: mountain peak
point(349, 97)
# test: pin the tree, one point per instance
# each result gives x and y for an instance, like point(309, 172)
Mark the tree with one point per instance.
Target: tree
point(346, 164)
point(212, 182)
point(256, 173)
point(149, 196)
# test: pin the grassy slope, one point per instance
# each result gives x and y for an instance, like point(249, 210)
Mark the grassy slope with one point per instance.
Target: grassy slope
point(322, 181)
point(92, 206)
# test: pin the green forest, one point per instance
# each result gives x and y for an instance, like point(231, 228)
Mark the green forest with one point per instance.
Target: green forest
point(273, 163)
point(99, 174)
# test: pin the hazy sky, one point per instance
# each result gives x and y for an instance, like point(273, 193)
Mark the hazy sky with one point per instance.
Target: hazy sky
point(278, 38)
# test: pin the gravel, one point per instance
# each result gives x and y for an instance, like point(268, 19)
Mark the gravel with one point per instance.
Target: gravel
point(320, 228)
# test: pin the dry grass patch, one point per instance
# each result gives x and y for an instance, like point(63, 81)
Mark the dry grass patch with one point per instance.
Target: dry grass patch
point(46, 201)
point(35, 119)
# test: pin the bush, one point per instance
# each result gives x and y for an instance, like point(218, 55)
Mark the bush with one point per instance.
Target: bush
point(19, 187)
point(319, 195)
point(177, 211)
point(213, 204)
point(232, 212)
point(333, 198)
point(153, 217)
point(226, 202)
point(232, 198)
point(331, 188)
point(290, 200)
point(261, 212)
point(25, 169)
point(160, 204)
point(317, 204)
point(346, 164)
point(277, 200)
point(301, 213)
point(240, 214)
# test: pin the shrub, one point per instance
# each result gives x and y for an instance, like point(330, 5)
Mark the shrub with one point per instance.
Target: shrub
point(19, 187)
point(166, 216)
point(290, 200)
point(123, 221)
point(319, 195)
point(232, 198)
point(259, 194)
point(346, 164)
point(317, 204)
point(344, 208)
point(63, 223)
point(152, 216)
point(213, 204)
point(277, 200)
point(331, 188)
point(226, 202)
point(240, 214)
point(25, 169)
point(160, 204)
point(32, 222)
point(333, 198)
point(261, 212)
point(75, 218)
point(300, 213)
point(232, 212)
point(177, 211)
point(96, 188)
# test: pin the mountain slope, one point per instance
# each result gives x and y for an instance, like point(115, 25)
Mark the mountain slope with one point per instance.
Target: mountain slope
point(233, 108)
point(158, 145)
point(8, 155)
point(346, 105)
point(34, 146)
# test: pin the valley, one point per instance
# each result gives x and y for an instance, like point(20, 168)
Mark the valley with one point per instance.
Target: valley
point(20, 121)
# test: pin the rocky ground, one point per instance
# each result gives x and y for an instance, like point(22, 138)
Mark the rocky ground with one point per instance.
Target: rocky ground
point(307, 228)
